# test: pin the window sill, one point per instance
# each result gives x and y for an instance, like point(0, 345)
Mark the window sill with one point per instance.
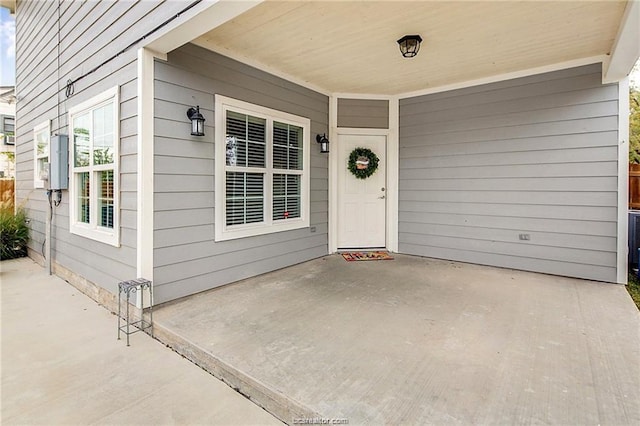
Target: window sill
point(110, 238)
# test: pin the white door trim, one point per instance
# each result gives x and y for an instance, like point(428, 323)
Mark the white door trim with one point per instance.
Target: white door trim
point(392, 173)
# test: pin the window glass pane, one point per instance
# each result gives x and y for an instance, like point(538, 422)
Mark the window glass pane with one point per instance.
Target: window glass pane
point(81, 140)
point(246, 142)
point(244, 198)
point(105, 198)
point(236, 125)
point(279, 185)
point(295, 147)
point(9, 126)
point(256, 155)
point(293, 207)
point(103, 135)
point(287, 146)
point(43, 170)
point(257, 129)
point(279, 207)
point(235, 212)
point(293, 185)
point(232, 151)
point(82, 214)
point(42, 143)
point(235, 185)
point(254, 210)
point(286, 196)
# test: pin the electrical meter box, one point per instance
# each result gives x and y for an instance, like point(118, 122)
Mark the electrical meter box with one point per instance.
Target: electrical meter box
point(59, 162)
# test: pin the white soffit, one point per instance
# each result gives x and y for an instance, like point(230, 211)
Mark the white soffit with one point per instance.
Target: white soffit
point(351, 46)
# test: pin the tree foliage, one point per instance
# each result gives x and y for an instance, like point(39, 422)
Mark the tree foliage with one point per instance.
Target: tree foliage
point(634, 126)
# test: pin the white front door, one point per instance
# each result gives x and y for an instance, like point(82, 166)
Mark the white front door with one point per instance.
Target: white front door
point(361, 202)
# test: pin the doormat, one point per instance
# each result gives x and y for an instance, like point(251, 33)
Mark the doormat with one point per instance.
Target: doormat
point(352, 256)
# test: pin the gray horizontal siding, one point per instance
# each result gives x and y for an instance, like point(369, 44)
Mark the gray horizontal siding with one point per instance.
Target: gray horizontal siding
point(363, 113)
point(186, 257)
point(536, 155)
point(88, 34)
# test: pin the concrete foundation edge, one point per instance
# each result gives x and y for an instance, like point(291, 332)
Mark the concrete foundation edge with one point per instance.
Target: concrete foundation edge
point(276, 403)
point(86, 287)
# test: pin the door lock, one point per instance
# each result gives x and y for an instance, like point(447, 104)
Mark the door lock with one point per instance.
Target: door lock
point(382, 198)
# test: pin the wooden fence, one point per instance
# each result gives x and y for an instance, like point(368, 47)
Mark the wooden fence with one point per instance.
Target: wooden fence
point(7, 193)
point(634, 186)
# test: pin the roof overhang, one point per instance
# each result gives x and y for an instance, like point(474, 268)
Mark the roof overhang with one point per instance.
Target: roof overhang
point(350, 46)
point(626, 48)
point(9, 4)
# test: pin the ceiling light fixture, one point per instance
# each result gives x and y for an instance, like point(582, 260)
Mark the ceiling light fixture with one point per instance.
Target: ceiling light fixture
point(410, 45)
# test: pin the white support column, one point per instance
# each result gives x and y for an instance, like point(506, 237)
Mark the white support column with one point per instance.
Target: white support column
point(333, 177)
point(393, 174)
point(144, 261)
point(623, 180)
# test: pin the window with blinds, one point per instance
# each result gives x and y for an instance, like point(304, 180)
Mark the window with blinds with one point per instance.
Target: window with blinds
point(93, 189)
point(264, 161)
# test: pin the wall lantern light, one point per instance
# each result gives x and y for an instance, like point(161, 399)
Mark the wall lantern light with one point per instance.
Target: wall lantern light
point(324, 143)
point(197, 121)
point(410, 45)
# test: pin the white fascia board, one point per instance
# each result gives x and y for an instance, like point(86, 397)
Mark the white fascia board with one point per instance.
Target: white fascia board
point(367, 96)
point(506, 76)
point(626, 47)
point(199, 20)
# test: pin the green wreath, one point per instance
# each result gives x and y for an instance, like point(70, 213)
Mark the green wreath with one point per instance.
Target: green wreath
point(362, 163)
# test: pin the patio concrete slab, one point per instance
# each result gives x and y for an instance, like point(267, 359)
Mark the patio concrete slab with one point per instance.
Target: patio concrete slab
point(418, 341)
point(62, 364)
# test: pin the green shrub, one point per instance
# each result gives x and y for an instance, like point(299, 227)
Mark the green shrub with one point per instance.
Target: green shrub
point(14, 234)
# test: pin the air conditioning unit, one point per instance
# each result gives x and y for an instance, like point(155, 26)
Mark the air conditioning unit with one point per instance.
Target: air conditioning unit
point(634, 238)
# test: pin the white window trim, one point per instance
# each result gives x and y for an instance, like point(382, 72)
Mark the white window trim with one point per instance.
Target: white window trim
point(46, 126)
point(92, 231)
point(268, 226)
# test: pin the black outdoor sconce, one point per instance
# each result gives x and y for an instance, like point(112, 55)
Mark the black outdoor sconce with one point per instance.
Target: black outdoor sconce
point(324, 143)
point(197, 121)
point(410, 45)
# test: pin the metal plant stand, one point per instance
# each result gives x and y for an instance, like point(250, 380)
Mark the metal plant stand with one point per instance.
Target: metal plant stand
point(127, 288)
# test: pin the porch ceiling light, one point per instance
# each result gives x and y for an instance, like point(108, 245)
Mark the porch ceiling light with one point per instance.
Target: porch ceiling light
point(324, 143)
point(410, 45)
point(197, 121)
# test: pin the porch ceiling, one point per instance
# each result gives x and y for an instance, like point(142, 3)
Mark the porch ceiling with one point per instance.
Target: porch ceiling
point(350, 47)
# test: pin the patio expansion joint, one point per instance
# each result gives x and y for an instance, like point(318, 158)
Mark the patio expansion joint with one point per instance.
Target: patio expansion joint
point(273, 401)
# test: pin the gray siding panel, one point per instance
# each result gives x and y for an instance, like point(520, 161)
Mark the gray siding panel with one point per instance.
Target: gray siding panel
point(535, 155)
point(255, 267)
point(186, 257)
point(363, 113)
point(90, 33)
